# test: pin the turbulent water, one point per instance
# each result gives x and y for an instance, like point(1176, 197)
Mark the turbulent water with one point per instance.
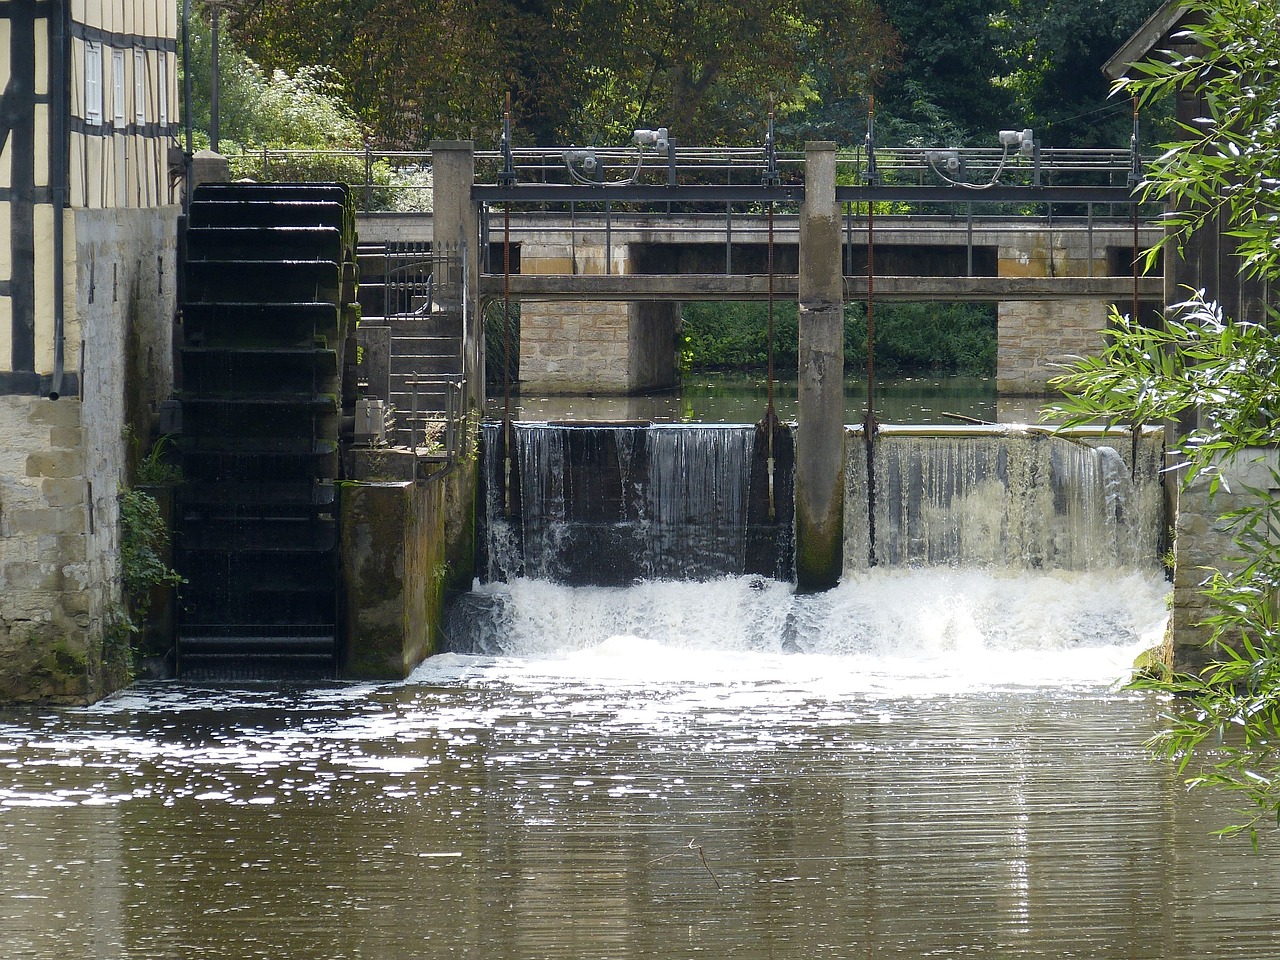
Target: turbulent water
point(920, 764)
point(932, 760)
point(971, 626)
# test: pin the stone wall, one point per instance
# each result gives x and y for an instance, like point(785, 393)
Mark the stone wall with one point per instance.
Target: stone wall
point(50, 607)
point(591, 347)
point(1203, 544)
point(1037, 335)
point(63, 462)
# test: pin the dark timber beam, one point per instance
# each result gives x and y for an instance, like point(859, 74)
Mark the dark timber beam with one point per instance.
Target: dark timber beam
point(695, 287)
point(19, 143)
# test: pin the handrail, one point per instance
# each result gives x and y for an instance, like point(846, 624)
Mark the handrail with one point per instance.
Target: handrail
point(382, 176)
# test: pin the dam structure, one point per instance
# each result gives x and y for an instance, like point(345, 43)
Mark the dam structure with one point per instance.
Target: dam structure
point(379, 498)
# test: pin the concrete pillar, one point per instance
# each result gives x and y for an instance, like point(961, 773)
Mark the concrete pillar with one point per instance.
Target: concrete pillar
point(820, 433)
point(209, 167)
point(457, 228)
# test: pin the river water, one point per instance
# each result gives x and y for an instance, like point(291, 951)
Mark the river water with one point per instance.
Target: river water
point(926, 762)
point(742, 398)
point(918, 764)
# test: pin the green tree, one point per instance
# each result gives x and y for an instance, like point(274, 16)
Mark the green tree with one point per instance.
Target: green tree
point(302, 109)
point(585, 71)
point(947, 91)
point(1226, 728)
point(1054, 51)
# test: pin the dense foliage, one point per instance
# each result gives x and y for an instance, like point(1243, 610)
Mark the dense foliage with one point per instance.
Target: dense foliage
point(910, 337)
point(1225, 728)
point(585, 69)
point(593, 70)
point(260, 108)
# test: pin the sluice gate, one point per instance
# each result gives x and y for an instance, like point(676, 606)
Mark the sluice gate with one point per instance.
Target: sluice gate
point(268, 275)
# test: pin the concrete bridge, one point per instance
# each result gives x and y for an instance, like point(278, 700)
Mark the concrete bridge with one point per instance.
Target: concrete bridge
point(600, 293)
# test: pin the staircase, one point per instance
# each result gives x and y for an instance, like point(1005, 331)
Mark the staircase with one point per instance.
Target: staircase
point(269, 272)
point(425, 337)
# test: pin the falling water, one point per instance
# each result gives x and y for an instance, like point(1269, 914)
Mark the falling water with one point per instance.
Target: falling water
point(1008, 498)
point(612, 505)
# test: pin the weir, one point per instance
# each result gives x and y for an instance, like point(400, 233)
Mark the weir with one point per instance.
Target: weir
point(1006, 497)
point(608, 505)
point(611, 504)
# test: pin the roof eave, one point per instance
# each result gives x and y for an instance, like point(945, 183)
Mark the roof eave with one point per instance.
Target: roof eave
point(1138, 47)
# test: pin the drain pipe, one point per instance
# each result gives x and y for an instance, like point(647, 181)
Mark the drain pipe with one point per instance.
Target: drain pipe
point(58, 136)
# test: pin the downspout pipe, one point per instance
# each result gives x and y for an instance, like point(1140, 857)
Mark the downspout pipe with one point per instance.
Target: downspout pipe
point(186, 104)
point(60, 150)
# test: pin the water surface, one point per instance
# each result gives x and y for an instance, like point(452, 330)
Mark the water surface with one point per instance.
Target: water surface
point(650, 773)
point(743, 398)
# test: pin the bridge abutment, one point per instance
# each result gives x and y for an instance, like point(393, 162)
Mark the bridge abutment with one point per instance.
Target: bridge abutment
point(1035, 336)
point(597, 346)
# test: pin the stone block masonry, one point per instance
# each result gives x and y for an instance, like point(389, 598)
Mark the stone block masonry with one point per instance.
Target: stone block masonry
point(1204, 543)
point(63, 462)
point(47, 603)
point(587, 347)
point(1036, 336)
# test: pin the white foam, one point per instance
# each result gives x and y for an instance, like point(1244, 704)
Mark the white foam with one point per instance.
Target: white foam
point(911, 631)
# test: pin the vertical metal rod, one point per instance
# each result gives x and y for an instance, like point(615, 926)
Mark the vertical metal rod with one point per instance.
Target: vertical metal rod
point(848, 239)
point(450, 411)
point(214, 84)
point(770, 416)
point(1089, 233)
point(728, 238)
point(506, 331)
point(608, 237)
point(413, 421)
point(869, 425)
point(1135, 178)
point(968, 239)
point(368, 178)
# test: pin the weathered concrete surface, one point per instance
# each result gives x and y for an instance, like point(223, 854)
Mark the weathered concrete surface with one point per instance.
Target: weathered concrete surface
point(552, 228)
point(709, 286)
point(820, 431)
point(456, 224)
point(393, 563)
point(406, 545)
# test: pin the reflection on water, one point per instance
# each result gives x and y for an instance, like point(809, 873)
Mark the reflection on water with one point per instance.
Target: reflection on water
point(673, 793)
point(743, 398)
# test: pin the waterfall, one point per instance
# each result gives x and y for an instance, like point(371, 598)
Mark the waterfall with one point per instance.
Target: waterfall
point(611, 505)
point(992, 544)
point(1005, 498)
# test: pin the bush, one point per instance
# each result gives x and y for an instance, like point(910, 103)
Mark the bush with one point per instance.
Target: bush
point(954, 338)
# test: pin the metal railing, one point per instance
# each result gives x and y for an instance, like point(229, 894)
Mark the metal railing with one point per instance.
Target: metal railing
point(388, 180)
